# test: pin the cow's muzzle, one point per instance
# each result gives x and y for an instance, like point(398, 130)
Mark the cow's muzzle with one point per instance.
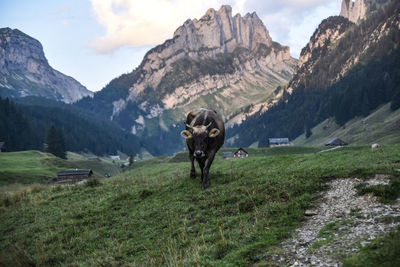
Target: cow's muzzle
point(199, 154)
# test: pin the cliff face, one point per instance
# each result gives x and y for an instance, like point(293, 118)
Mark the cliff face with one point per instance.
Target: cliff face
point(219, 61)
point(354, 10)
point(321, 43)
point(357, 10)
point(24, 70)
point(216, 33)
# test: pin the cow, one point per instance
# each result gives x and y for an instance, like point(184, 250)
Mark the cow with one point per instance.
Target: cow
point(375, 146)
point(204, 134)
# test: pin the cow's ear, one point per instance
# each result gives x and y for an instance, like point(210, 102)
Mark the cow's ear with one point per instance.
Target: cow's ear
point(186, 134)
point(214, 132)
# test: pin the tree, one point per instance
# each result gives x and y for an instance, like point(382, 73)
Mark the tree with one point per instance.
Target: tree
point(131, 160)
point(395, 101)
point(55, 143)
point(308, 131)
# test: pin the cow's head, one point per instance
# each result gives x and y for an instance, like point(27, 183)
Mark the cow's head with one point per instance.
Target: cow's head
point(200, 136)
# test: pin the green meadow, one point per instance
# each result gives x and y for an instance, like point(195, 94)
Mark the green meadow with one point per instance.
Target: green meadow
point(154, 214)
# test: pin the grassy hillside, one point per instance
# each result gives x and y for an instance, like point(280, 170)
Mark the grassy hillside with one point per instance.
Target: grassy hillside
point(155, 215)
point(382, 126)
point(29, 167)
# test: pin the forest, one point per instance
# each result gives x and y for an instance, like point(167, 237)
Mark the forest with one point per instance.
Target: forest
point(25, 125)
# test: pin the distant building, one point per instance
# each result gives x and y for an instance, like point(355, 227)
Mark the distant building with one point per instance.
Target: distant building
point(73, 176)
point(273, 142)
point(227, 155)
point(95, 158)
point(240, 153)
point(2, 146)
point(336, 142)
point(115, 157)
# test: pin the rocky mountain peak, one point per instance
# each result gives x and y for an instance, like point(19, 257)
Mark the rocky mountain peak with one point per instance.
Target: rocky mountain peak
point(218, 30)
point(357, 10)
point(354, 10)
point(25, 71)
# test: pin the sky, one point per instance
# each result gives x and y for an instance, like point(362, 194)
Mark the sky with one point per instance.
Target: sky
point(95, 41)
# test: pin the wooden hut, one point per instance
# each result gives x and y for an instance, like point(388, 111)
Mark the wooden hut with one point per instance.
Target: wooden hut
point(240, 153)
point(73, 176)
point(273, 142)
point(336, 142)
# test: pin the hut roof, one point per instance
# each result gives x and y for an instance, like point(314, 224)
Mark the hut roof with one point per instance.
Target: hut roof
point(75, 172)
point(241, 149)
point(336, 142)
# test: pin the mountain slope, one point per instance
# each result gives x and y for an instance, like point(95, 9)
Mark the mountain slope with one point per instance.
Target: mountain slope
point(381, 126)
point(24, 125)
point(346, 70)
point(220, 61)
point(24, 71)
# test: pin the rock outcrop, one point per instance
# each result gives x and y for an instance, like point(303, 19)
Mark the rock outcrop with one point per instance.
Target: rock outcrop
point(357, 10)
point(219, 61)
point(321, 42)
point(24, 70)
point(354, 10)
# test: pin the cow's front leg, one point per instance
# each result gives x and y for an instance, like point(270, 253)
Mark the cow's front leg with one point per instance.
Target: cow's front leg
point(201, 162)
point(204, 173)
point(192, 170)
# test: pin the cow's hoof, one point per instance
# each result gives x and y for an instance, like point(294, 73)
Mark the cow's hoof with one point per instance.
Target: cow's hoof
point(205, 186)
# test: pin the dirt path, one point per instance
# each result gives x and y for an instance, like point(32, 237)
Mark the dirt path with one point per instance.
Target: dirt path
point(347, 221)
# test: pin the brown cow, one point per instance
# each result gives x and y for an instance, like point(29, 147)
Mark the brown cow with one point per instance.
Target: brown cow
point(204, 134)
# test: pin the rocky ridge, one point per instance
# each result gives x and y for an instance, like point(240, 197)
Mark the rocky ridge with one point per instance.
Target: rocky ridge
point(221, 61)
point(25, 71)
point(357, 10)
point(354, 10)
point(336, 34)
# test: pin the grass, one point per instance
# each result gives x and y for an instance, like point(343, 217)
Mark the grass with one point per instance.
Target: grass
point(381, 126)
point(28, 167)
point(154, 214)
point(20, 169)
point(386, 193)
point(383, 251)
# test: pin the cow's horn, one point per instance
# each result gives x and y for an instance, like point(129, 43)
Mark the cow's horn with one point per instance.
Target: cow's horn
point(187, 125)
point(208, 125)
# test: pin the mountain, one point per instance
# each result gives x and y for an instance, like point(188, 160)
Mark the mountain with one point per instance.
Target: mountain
point(381, 126)
point(357, 10)
point(24, 71)
point(24, 125)
point(347, 70)
point(219, 61)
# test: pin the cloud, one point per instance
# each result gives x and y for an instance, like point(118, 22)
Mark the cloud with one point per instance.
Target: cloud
point(150, 22)
point(143, 22)
point(292, 22)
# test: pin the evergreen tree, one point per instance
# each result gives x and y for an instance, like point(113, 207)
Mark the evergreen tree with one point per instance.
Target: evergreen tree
point(308, 131)
point(55, 143)
point(131, 160)
point(395, 101)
